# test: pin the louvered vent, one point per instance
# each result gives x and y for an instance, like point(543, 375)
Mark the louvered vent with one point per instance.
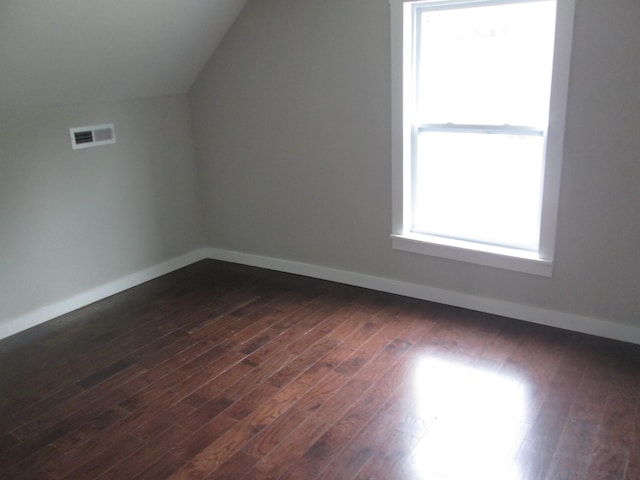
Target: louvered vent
point(84, 137)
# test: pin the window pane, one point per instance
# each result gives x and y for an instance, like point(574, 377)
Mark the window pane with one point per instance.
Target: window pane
point(480, 187)
point(486, 65)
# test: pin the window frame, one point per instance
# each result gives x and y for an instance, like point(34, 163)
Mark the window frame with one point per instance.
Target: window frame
point(402, 57)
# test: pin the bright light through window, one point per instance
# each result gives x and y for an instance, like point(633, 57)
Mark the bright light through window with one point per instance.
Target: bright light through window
point(478, 420)
point(488, 65)
point(479, 187)
point(480, 68)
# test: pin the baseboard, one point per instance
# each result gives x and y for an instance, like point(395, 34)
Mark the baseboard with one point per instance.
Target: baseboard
point(49, 312)
point(566, 321)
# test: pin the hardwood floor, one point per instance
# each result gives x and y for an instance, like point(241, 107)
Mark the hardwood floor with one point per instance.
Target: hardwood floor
point(220, 371)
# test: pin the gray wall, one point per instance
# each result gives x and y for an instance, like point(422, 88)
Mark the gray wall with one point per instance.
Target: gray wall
point(292, 124)
point(71, 220)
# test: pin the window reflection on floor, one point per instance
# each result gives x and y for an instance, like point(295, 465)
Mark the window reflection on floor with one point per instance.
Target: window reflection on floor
point(478, 422)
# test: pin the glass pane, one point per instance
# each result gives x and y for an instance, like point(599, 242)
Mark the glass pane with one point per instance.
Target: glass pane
point(479, 187)
point(486, 65)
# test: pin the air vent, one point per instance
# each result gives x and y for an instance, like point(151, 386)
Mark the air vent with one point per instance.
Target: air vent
point(84, 137)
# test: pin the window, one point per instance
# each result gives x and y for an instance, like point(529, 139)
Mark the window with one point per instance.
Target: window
point(479, 96)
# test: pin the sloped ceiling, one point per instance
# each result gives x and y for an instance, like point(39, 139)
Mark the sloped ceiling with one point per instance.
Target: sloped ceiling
point(78, 51)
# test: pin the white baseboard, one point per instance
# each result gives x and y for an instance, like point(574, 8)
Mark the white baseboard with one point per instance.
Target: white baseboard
point(567, 321)
point(87, 297)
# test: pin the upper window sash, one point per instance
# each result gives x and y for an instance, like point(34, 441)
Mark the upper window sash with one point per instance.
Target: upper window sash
point(481, 98)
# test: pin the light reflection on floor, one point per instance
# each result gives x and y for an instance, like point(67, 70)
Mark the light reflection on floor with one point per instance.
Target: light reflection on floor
point(478, 422)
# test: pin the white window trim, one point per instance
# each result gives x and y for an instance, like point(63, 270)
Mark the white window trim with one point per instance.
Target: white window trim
point(537, 263)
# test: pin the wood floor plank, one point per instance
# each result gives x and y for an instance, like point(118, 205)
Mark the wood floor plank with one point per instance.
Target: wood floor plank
point(222, 371)
point(49, 402)
point(90, 429)
point(104, 373)
point(202, 438)
point(607, 462)
point(388, 458)
point(163, 421)
point(323, 450)
point(227, 445)
point(103, 462)
point(305, 416)
point(149, 454)
point(163, 468)
point(359, 451)
point(210, 389)
point(285, 450)
point(33, 465)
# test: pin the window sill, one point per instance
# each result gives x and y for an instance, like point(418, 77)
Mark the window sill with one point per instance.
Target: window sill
point(487, 255)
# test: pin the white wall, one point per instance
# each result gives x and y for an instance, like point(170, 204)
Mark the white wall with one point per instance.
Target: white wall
point(292, 124)
point(72, 220)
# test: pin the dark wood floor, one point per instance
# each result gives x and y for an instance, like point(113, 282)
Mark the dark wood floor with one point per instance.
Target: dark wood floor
point(226, 372)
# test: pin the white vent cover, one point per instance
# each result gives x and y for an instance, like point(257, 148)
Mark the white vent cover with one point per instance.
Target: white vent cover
point(84, 137)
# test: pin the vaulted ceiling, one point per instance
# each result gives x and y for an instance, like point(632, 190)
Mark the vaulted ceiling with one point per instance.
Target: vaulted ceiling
point(78, 51)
